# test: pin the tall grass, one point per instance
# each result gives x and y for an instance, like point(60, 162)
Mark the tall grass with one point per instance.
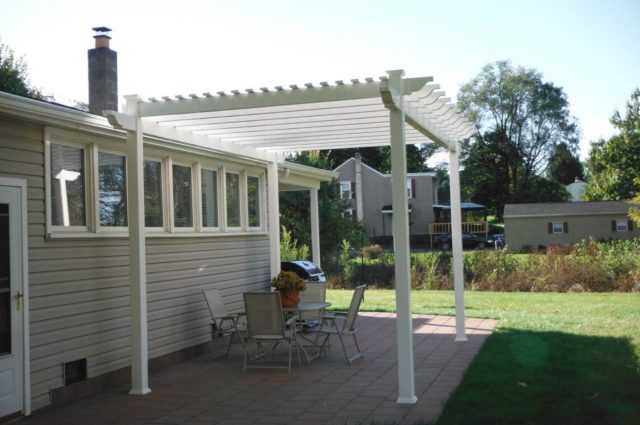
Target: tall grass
point(588, 266)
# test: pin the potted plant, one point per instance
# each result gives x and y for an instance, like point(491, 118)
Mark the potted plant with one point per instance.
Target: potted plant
point(289, 284)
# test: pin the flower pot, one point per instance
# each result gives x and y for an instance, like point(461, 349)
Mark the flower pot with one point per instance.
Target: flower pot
point(290, 298)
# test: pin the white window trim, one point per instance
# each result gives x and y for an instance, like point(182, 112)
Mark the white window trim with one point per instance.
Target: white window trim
point(51, 137)
point(201, 227)
point(410, 193)
point(93, 146)
point(261, 201)
point(346, 183)
point(227, 228)
point(624, 227)
point(175, 228)
point(98, 227)
point(553, 227)
point(164, 188)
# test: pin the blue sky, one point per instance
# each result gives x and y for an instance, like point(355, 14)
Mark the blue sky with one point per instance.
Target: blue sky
point(588, 47)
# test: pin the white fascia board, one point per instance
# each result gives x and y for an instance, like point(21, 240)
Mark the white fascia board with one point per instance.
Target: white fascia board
point(55, 115)
point(307, 171)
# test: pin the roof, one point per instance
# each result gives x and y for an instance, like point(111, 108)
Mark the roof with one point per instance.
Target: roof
point(352, 159)
point(311, 117)
point(463, 206)
point(566, 209)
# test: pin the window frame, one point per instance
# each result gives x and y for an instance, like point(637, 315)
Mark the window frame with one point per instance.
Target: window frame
point(64, 138)
point(261, 201)
point(241, 196)
point(553, 227)
point(346, 183)
point(620, 228)
point(172, 225)
point(200, 222)
point(164, 188)
point(99, 227)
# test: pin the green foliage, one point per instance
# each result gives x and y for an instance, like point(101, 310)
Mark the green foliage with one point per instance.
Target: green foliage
point(634, 213)
point(380, 157)
point(614, 164)
point(345, 259)
point(564, 165)
point(288, 281)
point(334, 226)
point(289, 248)
point(588, 266)
point(521, 119)
point(13, 75)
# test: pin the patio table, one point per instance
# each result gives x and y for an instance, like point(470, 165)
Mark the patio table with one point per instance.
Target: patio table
point(307, 307)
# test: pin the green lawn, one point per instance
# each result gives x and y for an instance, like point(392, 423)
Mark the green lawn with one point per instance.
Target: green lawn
point(555, 358)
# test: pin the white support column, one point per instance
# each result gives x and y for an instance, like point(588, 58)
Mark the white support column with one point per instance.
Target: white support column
point(137, 253)
point(404, 325)
point(274, 215)
point(315, 227)
point(456, 240)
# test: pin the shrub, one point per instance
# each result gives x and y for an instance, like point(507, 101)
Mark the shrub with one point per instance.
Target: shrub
point(289, 249)
point(372, 252)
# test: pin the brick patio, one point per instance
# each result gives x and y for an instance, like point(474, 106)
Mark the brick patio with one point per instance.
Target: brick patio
point(210, 391)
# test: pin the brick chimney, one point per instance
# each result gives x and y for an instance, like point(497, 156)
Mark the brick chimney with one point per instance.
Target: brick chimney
point(103, 74)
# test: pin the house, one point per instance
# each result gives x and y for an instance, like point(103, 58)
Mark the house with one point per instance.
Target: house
point(116, 225)
point(369, 193)
point(577, 190)
point(546, 224)
point(65, 295)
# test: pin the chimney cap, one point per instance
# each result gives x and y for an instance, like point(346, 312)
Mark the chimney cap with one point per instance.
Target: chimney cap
point(101, 32)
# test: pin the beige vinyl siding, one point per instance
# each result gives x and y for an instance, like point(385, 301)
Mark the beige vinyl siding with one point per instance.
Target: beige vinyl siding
point(79, 289)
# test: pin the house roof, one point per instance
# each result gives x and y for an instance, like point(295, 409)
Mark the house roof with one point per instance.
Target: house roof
point(566, 209)
point(352, 159)
point(463, 206)
point(315, 116)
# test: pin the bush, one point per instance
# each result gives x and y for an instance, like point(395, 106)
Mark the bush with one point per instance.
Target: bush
point(372, 252)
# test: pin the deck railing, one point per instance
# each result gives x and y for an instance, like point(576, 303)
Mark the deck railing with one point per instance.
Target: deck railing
point(469, 226)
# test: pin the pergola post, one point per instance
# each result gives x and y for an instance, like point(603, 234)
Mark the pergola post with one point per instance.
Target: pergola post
point(274, 215)
point(404, 325)
point(456, 240)
point(137, 252)
point(315, 226)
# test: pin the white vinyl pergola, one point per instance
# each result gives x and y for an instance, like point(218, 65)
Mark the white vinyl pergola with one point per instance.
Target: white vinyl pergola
point(262, 125)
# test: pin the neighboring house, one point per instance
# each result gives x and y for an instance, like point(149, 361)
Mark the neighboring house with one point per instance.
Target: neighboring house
point(370, 194)
point(577, 190)
point(546, 224)
point(64, 242)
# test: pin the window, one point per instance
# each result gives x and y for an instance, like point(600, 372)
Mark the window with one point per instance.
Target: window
point(68, 203)
point(621, 226)
point(253, 200)
point(209, 183)
point(233, 199)
point(112, 190)
point(345, 190)
point(182, 208)
point(559, 227)
point(152, 193)
point(411, 188)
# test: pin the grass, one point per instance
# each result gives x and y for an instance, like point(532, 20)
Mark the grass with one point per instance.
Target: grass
point(555, 358)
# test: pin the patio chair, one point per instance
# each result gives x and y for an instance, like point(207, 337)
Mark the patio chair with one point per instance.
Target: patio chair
point(266, 325)
point(222, 322)
point(315, 293)
point(342, 324)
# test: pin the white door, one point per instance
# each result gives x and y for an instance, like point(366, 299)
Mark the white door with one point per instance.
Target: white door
point(11, 290)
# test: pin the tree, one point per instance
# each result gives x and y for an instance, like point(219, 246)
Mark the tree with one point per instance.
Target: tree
point(13, 75)
point(334, 225)
point(564, 165)
point(520, 120)
point(380, 157)
point(614, 164)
